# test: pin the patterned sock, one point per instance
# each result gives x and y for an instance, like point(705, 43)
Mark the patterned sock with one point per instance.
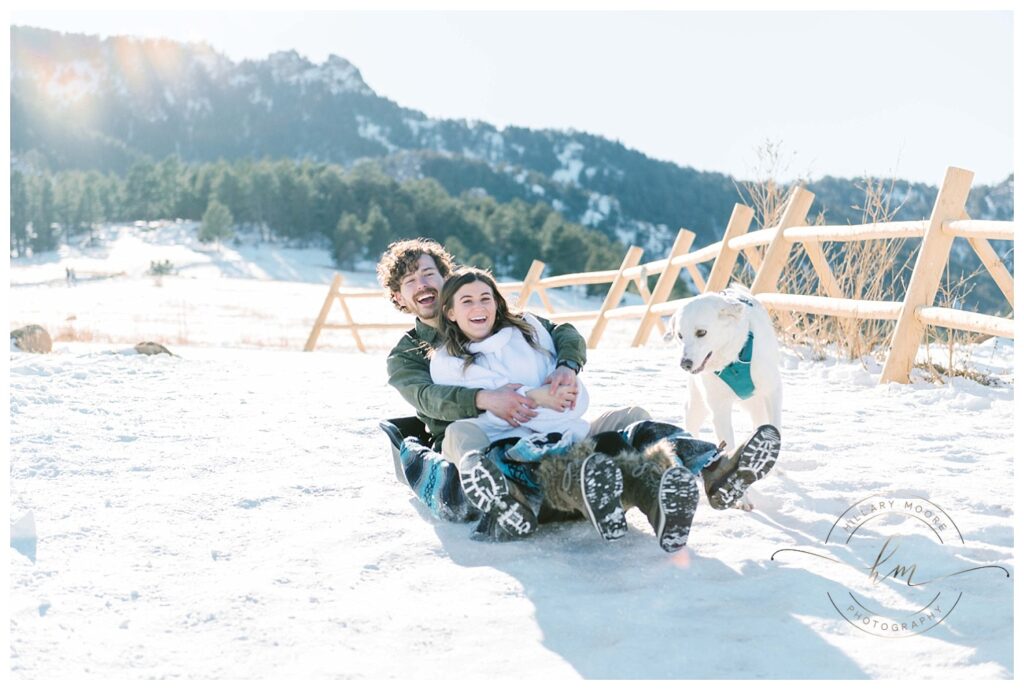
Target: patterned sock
point(533, 448)
point(522, 474)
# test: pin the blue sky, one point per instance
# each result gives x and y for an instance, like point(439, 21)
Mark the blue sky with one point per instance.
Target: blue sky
point(844, 93)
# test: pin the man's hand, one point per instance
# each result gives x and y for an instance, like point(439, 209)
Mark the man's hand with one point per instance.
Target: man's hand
point(563, 376)
point(507, 404)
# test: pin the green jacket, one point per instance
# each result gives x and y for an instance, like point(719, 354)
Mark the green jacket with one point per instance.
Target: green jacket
point(437, 405)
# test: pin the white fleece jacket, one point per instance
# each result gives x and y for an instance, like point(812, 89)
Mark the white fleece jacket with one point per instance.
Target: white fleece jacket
point(505, 357)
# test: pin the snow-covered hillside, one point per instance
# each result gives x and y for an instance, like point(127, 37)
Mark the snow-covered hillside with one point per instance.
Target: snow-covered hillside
point(250, 294)
point(232, 512)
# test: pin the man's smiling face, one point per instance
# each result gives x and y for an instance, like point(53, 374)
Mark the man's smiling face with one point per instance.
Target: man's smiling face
point(420, 290)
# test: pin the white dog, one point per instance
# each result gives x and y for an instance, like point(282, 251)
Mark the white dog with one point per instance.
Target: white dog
point(730, 348)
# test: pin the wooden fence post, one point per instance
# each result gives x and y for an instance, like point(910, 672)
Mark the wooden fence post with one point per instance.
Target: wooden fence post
point(754, 258)
point(924, 281)
point(991, 261)
point(614, 296)
point(348, 317)
point(332, 293)
point(777, 253)
point(698, 282)
point(663, 288)
point(529, 283)
point(641, 285)
point(324, 310)
point(721, 270)
point(544, 299)
point(826, 279)
point(830, 286)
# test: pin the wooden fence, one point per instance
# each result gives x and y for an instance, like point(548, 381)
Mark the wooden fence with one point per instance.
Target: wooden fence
point(767, 250)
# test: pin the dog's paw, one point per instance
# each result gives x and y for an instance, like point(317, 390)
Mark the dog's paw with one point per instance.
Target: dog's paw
point(745, 505)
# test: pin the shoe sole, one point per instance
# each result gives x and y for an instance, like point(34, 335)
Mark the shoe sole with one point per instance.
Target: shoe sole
point(601, 484)
point(678, 496)
point(487, 490)
point(757, 457)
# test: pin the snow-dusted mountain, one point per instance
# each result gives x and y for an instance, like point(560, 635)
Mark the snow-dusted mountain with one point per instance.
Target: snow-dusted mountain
point(81, 102)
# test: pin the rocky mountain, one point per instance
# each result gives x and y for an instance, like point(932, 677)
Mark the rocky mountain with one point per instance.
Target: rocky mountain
point(83, 102)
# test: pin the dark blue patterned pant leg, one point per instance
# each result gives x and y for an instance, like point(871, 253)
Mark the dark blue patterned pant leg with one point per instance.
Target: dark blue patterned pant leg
point(435, 482)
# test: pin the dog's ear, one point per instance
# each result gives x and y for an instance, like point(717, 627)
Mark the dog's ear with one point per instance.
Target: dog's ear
point(731, 311)
point(670, 332)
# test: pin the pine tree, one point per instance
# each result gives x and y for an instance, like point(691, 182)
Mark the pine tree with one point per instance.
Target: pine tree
point(110, 194)
point(170, 191)
point(216, 223)
point(349, 240)
point(43, 239)
point(377, 229)
point(228, 188)
point(19, 213)
point(142, 189)
point(88, 208)
point(292, 213)
point(263, 194)
point(67, 194)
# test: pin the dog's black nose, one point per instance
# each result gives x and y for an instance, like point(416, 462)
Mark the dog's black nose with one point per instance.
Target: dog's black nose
point(686, 364)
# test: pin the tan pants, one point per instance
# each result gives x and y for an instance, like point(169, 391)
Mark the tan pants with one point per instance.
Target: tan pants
point(463, 436)
point(460, 437)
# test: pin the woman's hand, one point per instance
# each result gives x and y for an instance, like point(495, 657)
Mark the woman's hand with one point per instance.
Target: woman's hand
point(563, 398)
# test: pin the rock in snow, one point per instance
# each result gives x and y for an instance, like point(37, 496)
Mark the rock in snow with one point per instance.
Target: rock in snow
point(148, 347)
point(32, 338)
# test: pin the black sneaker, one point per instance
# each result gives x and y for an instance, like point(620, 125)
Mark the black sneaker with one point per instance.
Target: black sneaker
point(487, 489)
point(751, 461)
point(601, 484)
point(678, 496)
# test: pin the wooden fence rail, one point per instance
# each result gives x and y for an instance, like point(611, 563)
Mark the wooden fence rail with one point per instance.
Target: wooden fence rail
point(767, 251)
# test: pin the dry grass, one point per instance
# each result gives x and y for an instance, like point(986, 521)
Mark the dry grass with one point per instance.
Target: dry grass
point(868, 270)
point(69, 333)
point(957, 345)
point(281, 342)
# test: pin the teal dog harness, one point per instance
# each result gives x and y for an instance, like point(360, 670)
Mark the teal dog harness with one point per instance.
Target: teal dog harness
point(737, 374)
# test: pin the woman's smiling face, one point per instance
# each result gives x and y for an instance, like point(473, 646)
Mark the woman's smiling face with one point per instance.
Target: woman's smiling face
point(473, 310)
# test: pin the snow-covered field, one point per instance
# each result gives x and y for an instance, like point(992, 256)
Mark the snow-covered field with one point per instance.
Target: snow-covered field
point(232, 512)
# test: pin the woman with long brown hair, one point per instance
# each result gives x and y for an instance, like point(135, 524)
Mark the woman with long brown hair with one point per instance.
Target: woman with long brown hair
point(487, 345)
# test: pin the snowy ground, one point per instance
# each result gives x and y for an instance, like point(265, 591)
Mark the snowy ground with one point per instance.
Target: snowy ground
point(232, 512)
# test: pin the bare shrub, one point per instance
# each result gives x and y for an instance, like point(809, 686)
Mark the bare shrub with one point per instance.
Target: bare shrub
point(875, 270)
point(872, 270)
